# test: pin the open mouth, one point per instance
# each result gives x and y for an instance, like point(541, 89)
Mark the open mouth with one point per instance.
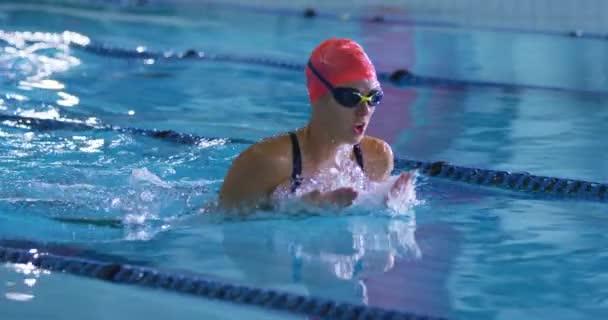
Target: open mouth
point(359, 128)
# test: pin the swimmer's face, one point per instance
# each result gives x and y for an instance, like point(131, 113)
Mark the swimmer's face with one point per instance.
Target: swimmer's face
point(347, 125)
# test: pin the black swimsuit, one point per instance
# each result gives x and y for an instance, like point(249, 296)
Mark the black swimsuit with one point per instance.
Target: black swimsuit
point(296, 173)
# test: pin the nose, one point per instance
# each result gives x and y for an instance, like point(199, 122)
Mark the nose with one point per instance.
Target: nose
point(363, 109)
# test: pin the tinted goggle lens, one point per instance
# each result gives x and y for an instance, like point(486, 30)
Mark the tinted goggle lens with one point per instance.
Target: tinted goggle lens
point(350, 97)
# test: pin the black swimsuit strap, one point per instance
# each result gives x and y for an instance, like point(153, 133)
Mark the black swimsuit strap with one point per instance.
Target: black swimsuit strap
point(296, 173)
point(358, 155)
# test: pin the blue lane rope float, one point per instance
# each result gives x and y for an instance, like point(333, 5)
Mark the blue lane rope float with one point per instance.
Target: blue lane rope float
point(515, 181)
point(196, 285)
point(399, 78)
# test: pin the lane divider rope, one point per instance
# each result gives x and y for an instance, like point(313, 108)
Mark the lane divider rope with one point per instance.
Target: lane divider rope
point(515, 181)
point(400, 78)
point(199, 286)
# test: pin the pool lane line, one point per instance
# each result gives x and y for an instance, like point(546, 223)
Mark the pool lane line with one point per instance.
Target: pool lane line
point(514, 181)
point(197, 285)
point(166, 135)
point(66, 250)
point(401, 78)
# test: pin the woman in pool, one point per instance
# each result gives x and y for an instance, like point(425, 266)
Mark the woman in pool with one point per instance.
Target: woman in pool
point(344, 92)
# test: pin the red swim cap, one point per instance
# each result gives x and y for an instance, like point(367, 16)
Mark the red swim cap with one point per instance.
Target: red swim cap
point(339, 61)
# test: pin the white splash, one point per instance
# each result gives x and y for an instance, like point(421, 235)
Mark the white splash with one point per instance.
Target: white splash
point(32, 277)
point(140, 235)
point(92, 121)
point(29, 136)
point(26, 268)
point(142, 205)
point(48, 84)
point(399, 201)
point(30, 282)
point(15, 96)
point(144, 175)
point(93, 145)
point(346, 173)
point(208, 143)
point(51, 113)
point(67, 100)
point(67, 37)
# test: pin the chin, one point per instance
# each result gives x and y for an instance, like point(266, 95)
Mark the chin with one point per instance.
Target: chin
point(355, 139)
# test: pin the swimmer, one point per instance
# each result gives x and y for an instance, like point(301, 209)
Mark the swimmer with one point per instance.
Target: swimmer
point(344, 92)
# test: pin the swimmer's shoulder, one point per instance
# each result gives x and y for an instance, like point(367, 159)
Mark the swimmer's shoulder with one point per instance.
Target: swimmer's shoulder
point(257, 171)
point(270, 157)
point(274, 151)
point(377, 157)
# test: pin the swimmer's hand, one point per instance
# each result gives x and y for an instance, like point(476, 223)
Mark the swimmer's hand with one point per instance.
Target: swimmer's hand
point(341, 197)
point(402, 186)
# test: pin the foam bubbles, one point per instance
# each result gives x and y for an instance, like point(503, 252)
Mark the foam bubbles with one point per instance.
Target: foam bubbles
point(345, 172)
point(144, 175)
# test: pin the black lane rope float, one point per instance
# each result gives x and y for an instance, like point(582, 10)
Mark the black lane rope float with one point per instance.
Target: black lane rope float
point(124, 273)
point(66, 250)
point(515, 181)
point(167, 135)
point(399, 77)
point(196, 285)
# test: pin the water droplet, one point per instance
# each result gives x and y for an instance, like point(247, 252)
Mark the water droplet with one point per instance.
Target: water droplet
point(30, 282)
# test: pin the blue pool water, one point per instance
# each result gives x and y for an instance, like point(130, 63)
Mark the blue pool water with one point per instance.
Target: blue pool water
point(465, 252)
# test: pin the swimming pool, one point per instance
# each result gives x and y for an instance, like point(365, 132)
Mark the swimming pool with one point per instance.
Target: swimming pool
point(77, 143)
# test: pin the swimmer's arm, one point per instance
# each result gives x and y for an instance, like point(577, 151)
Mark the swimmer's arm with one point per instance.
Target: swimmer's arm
point(381, 165)
point(378, 159)
point(341, 197)
point(252, 178)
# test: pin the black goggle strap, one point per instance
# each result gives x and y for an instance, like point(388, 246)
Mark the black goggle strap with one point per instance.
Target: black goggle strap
point(332, 88)
point(318, 74)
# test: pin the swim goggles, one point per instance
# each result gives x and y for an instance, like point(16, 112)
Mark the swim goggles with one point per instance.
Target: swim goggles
point(349, 97)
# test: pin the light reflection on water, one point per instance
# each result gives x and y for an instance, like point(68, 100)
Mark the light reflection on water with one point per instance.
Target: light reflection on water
point(140, 194)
